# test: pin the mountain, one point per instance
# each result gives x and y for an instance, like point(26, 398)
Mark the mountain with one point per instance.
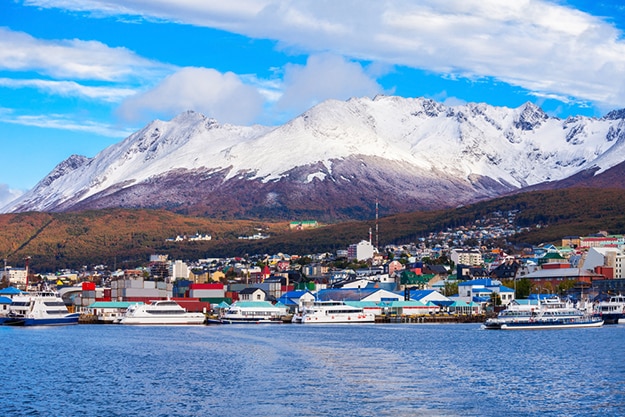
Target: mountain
point(335, 161)
point(124, 238)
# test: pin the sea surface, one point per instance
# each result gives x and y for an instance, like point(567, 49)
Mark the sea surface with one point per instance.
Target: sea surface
point(311, 370)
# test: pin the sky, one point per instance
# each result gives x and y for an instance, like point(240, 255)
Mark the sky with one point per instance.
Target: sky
point(77, 76)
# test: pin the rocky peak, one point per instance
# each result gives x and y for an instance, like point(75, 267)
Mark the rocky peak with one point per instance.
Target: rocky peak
point(530, 117)
point(69, 165)
point(615, 115)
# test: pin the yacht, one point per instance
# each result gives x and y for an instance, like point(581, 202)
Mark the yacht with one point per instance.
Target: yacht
point(550, 313)
point(612, 311)
point(44, 308)
point(333, 312)
point(160, 312)
point(253, 312)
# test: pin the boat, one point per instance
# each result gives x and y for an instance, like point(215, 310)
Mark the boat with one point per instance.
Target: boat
point(612, 310)
point(160, 312)
point(43, 308)
point(253, 312)
point(550, 313)
point(333, 312)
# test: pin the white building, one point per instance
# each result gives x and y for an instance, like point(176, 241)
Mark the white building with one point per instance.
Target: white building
point(360, 251)
point(178, 269)
point(16, 276)
point(471, 257)
point(612, 257)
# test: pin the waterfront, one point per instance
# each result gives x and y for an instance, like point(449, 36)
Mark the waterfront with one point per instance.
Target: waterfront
point(300, 370)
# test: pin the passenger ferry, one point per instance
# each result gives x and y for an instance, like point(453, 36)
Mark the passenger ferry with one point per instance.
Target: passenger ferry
point(612, 311)
point(44, 308)
point(551, 313)
point(160, 312)
point(333, 312)
point(253, 312)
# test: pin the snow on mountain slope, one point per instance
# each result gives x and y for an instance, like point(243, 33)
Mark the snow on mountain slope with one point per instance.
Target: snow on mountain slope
point(416, 147)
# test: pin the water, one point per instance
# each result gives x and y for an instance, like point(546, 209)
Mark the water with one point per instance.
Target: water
point(301, 370)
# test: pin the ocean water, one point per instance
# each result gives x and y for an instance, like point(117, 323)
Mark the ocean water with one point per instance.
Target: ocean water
point(311, 370)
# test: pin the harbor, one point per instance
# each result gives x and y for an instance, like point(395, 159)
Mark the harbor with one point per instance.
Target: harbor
point(438, 369)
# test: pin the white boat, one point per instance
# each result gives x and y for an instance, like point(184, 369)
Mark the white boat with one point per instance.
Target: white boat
point(612, 310)
point(44, 308)
point(550, 313)
point(253, 312)
point(161, 312)
point(333, 312)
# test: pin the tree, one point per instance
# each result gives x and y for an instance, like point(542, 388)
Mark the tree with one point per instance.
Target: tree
point(495, 299)
point(523, 288)
point(451, 288)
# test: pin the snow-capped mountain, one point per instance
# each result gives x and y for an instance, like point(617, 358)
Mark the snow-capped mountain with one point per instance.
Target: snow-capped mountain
point(334, 161)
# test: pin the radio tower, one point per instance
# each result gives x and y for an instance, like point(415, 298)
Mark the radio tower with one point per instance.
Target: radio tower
point(376, 227)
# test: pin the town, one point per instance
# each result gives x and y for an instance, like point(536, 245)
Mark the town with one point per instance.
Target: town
point(465, 274)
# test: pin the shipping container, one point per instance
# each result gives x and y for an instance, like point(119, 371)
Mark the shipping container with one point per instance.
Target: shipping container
point(206, 293)
point(207, 286)
point(88, 286)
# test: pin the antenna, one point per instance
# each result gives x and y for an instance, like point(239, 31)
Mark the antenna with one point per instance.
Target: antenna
point(377, 243)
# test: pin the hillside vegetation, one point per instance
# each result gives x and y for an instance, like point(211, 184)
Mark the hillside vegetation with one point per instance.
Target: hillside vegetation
point(126, 238)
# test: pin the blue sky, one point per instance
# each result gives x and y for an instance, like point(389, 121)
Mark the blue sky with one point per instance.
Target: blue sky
point(78, 76)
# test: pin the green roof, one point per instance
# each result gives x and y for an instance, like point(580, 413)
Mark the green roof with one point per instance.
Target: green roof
point(250, 304)
point(113, 304)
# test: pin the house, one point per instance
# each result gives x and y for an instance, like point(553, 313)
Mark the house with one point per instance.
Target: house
point(252, 294)
point(109, 311)
point(550, 278)
point(354, 294)
point(407, 308)
point(295, 300)
point(481, 291)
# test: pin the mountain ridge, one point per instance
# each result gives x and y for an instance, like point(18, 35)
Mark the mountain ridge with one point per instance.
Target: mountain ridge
point(334, 161)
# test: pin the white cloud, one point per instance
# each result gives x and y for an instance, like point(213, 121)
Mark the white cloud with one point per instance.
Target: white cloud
point(70, 89)
point(63, 122)
point(221, 96)
point(87, 60)
point(540, 45)
point(324, 77)
point(8, 194)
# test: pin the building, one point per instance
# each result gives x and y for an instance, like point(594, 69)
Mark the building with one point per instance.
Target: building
point(603, 258)
point(16, 276)
point(360, 251)
point(178, 269)
point(472, 257)
point(252, 294)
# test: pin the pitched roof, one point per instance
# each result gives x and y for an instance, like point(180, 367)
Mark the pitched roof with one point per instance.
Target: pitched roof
point(10, 291)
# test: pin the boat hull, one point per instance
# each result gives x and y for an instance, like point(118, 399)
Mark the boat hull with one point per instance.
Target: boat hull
point(57, 321)
point(338, 318)
point(613, 318)
point(163, 321)
point(544, 325)
point(277, 320)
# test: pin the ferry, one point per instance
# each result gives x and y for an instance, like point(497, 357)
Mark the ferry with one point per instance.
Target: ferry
point(44, 308)
point(333, 312)
point(160, 312)
point(612, 311)
point(253, 312)
point(551, 313)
